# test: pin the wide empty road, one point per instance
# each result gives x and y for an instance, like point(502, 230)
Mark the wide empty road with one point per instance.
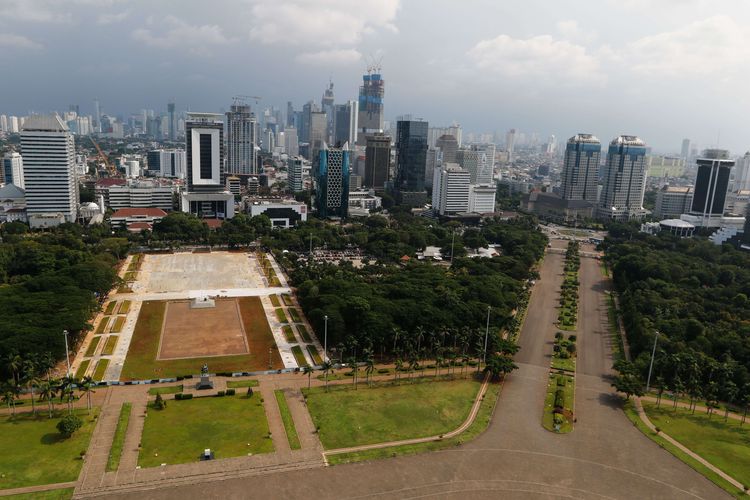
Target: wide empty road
point(604, 457)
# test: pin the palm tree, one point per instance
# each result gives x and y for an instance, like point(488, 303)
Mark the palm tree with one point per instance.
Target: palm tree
point(66, 388)
point(730, 392)
point(352, 362)
point(14, 362)
point(397, 371)
point(370, 366)
point(86, 387)
point(660, 390)
point(308, 370)
point(677, 388)
point(47, 392)
point(9, 396)
point(413, 363)
point(31, 379)
point(744, 400)
point(326, 368)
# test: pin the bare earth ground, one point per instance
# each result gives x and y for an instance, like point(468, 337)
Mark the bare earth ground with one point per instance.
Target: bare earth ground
point(190, 333)
point(200, 271)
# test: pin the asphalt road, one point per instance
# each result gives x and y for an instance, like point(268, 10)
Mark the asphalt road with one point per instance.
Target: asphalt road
point(604, 457)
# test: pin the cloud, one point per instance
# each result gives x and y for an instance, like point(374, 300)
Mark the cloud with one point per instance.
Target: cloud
point(113, 18)
point(324, 23)
point(714, 45)
point(541, 57)
point(38, 11)
point(330, 57)
point(18, 42)
point(175, 32)
point(570, 30)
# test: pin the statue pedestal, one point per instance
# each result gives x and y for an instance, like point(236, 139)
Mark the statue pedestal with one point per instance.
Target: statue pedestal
point(205, 383)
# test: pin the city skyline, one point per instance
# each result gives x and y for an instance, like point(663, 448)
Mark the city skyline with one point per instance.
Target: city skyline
point(552, 69)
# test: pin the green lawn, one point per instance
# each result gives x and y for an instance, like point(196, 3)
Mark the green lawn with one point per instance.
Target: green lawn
point(109, 345)
point(549, 400)
point(289, 334)
point(230, 426)
point(141, 362)
point(274, 300)
point(304, 333)
point(238, 384)
point(117, 325)
point(35, 453)
point(315, 355)
point(171, 389)
point(568, 364)
point(102, 325)
point(286, 417)
point(281, 316)
point(91, 349)
point(118, 441)
point(724, 444)
point(81, 371)
point(110, 307)
point(287, 299)
point(294, 314)
point(346, 417)
point(124, 307)
point(101, 368)
point(63, 494)
point(131, 276)
point(299, 356)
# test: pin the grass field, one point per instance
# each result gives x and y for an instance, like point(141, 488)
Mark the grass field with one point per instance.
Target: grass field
point(287, 299)
point(36, 453)
point(61, 494)
point(724, 444)
point(281, 316)
point(141, 360)
point(101, 368)
point(115, 452)
point(117, 324)
point(289, 334)
point(346, 417)
point(91, 349)
point(238, 384)
point(231, 426)
point(315, 355)
point(304, 333)
point(81, 371)
point(274, 300)
point(102, 325)
point(294, 314)
point(110, 307)
point(568, 364)
point(171, 389)
point(109, 345)
point(124, 307)
point(286, 417)
point(299, 356)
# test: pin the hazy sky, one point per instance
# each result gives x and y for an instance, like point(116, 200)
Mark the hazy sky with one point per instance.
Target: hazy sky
point(661, 69)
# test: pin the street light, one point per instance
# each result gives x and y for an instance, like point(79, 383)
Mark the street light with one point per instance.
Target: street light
point(486, 336)
point(325, 339)
point(67, 353)
point(651, 366)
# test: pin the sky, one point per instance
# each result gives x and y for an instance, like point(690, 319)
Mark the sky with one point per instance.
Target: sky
point(660, 69)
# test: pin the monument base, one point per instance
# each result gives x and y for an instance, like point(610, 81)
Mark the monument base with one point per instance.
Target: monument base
point(205, 383)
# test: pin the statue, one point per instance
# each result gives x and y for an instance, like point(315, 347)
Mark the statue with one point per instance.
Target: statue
point(205, 382)
point(204, 369)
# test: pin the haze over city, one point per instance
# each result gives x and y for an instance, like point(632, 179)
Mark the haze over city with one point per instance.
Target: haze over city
point(662, 70)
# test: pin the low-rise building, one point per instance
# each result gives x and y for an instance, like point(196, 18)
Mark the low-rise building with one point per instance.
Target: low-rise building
point(137, 219)
point(283, 213)
point(673, 201)
point(550, 206)
point(140, 194)
point(12, 204)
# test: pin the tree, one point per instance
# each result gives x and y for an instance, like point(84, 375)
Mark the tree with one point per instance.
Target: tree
point(627, 379)
point(47, 391)
point(369, 366)
point(397, 371)
point(499, 365)
point(69, 424)
point(659, 390)
point(86, 387)
point(730, 392)
point(9, 396)
point(326, 368)
point(31, 379)
point(308, 370)
point(744, 401)
point(159, 403)
point(712, 398)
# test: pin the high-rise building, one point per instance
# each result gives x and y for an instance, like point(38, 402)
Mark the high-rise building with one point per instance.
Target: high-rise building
point(289, 114)
point(411, 158)
point(326, 105)
point(13, 169)
point(673, 201)
point(580, 174)
point(3, 123)
point(305, 121)
point(450, 189)
point(371, 118)
point(332, 182)
point(97, 116)
point(291, 144)
point(711, 184)
point(172, 126)
point(482, 198)
point(206, 195)
point(742, 173)
point(475, 163)
point(448, 145)
point(167, 163)
point(318, 132)
point(241, 141)
point(345, 123)
point(294, 167)
point(510, 143)
point(49, 168)
point(377, 162)
point(685, 150)
point(13, 125)
point(624, 179)
point(434, 161)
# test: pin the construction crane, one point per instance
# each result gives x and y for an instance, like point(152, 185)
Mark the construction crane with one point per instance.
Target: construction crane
point(103, 158)
point(241, 99)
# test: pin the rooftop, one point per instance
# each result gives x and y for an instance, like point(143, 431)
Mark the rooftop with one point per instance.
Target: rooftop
point(627, 140)
point(139, 212)
point(44, 123)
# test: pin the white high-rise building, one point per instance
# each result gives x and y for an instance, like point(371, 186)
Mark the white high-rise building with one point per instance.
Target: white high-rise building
point(13, 169)
point(294, 166)
point(482, 199)
point(475, 162)
point(510, 143)
point(13, 125)
point(450, 189)
point(291, 142)
point(3, 123)
point(241, 141)
point(49, 168)
point(742, 173)
point(624, 179)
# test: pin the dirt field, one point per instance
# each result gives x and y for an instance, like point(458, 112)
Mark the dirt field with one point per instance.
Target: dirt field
point(191, 333)
point(198, 271)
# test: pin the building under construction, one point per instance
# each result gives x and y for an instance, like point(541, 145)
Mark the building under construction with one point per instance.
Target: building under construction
point(371, 93)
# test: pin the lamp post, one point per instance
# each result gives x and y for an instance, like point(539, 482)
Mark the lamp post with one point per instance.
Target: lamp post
point(67, 353)
point(651, 366)
point(270, 353)
point(486, 336)
point(325, 339)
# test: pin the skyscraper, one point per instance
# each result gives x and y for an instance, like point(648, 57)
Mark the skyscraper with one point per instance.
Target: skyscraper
point(241, 141)
point(685, 151)
point(172, 126)
point(580, 175)
point(318, 132)
point(371, 120)
point(291, 144)
point(326, 104)
point(411, 158)
point(711, 184)
point(97, 116)
point(345, 123)
point(206, 196)
point(448, 145)
point(474, 162)
point(377, 161)
point(510, 143)
point(294, 167)
point(13, 169)
point(624, 179)
point(332, 182)
point(49, 168)
point(450, 189)
point(742, 173)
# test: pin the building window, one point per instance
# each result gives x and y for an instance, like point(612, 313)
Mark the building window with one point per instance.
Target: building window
point(205, 156)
